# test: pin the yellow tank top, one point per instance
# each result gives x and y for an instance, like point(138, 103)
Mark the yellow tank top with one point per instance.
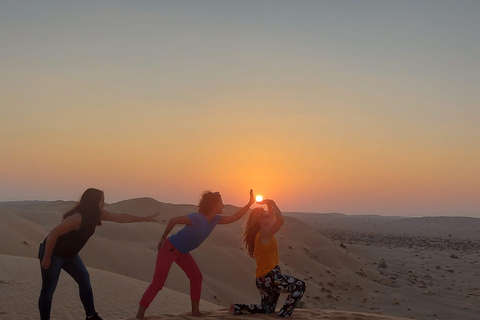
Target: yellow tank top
point(266, 255)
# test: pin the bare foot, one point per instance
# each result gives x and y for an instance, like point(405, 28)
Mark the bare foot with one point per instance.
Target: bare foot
point(232, 309)
point(197, 314)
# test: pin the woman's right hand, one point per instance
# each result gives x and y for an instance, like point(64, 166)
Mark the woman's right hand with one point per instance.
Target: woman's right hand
point(46, 263)
point(151, 217)
point(161, 244)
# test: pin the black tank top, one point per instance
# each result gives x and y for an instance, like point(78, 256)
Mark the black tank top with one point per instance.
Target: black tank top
point(70, 243)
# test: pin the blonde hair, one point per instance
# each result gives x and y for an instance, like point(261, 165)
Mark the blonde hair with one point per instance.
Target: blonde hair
point(251, 228)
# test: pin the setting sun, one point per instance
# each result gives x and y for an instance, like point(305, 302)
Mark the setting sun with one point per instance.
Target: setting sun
point(258, 198)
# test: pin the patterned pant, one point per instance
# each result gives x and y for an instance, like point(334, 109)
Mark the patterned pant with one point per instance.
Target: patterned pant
point(270, 286)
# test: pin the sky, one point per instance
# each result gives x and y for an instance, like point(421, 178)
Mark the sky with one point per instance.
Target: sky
point(358, 107)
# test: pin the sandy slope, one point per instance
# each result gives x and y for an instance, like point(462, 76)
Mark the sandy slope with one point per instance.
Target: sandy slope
point(116, 296)
point(337, 278)
point(300, 314)
point(130, 250)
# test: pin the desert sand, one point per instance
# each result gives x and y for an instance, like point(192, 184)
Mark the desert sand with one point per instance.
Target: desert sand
point(355, 267)
point(300, 314)
point(116, 296)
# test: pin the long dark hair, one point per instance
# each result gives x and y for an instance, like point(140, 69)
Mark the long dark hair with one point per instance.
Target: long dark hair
point(251, 228)
point(89, 205)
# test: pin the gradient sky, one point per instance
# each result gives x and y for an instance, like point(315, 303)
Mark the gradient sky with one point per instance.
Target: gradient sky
point(359, 107)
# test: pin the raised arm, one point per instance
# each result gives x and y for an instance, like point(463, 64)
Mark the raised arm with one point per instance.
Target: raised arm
point(70, 223)
point(171, 223)
point(125, 217)
point(271, 210)
point(272, 229)
point(240, 213)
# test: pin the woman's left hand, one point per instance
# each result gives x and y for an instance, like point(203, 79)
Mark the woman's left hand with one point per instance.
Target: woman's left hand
point(161, 243)
point(151, 217)
point(252, 197)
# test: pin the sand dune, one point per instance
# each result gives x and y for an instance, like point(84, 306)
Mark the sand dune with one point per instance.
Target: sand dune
point(228, 271)
point(345, 278)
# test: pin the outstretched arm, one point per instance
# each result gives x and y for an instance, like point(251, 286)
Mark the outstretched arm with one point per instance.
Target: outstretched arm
point(240, 213)
point(125, 217)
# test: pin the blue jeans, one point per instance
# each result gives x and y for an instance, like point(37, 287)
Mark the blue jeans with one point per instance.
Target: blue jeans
point(76, 269)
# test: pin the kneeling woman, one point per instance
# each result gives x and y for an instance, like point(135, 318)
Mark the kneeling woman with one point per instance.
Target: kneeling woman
point(60, 249)
point(263, 247)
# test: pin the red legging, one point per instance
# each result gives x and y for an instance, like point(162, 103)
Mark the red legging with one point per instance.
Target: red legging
point(165, 257)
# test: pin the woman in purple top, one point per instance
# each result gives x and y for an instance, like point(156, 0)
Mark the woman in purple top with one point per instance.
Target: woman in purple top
point(176, 248)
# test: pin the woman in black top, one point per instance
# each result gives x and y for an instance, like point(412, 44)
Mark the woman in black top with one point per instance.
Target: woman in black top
point(60, 249)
